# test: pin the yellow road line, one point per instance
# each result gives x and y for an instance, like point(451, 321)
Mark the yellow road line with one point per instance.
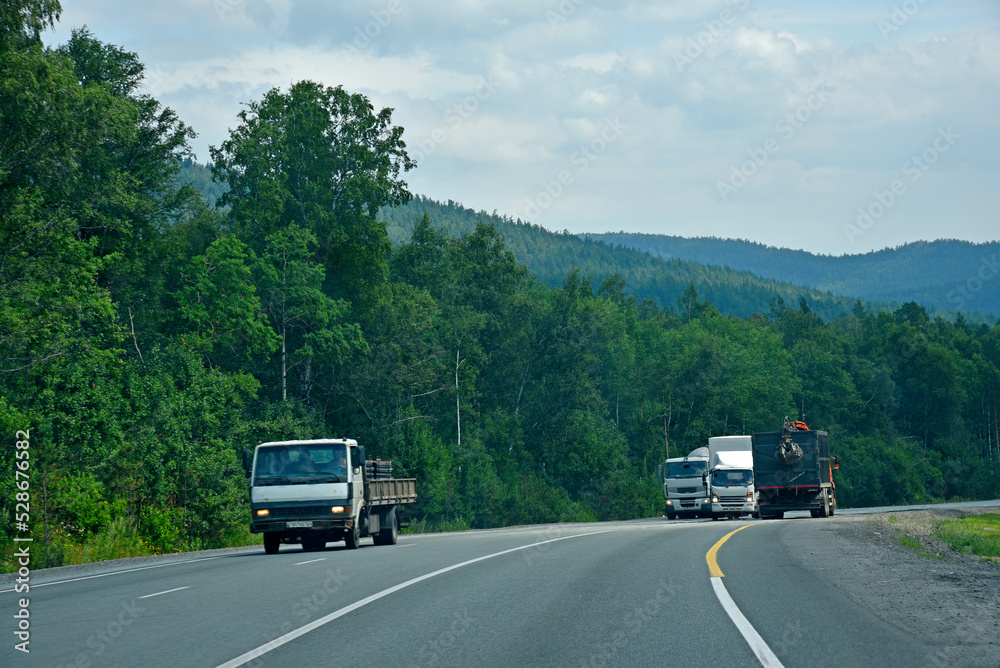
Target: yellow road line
point(713, 565)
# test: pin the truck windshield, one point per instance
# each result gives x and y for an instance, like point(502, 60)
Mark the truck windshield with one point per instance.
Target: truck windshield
point(300, 464)
point(686, 469)
point(732, 478)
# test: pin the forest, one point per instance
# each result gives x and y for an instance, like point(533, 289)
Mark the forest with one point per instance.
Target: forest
point(947, 274)
point(148, 337)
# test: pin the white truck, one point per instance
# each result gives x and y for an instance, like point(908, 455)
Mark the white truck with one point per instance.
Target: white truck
point(317, 491)
point(731, 481)
point(685, 485)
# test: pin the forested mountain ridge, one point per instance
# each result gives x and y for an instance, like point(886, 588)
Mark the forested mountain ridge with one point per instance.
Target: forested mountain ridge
point(945, 274)
point(738, 277)
point(147, 338)
point(552, 255)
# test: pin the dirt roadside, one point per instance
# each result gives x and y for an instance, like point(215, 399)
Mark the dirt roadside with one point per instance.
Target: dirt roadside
point(950, 601)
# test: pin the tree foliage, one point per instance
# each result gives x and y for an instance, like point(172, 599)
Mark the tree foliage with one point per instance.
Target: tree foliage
point(146, 338)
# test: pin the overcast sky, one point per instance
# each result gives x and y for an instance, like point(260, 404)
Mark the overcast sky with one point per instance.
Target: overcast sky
point(832, 127)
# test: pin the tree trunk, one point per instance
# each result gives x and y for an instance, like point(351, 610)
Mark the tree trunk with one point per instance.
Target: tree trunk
point(284, 366)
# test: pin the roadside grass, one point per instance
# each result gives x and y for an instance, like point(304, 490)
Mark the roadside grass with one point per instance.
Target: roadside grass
point(940, 535)
point(973, 534)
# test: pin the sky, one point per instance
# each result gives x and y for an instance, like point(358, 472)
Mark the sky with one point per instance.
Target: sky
point(837, 128)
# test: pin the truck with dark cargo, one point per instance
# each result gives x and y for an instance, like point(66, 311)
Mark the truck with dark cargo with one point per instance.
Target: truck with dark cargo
point(685, 485)
point(794, 471)
point(312, 492)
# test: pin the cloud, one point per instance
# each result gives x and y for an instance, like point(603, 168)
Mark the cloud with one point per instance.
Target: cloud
point(702, 86)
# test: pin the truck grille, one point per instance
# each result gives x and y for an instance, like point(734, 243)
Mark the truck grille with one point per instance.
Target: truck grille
point(687, 490)
point(277, 513)
point(732, 499)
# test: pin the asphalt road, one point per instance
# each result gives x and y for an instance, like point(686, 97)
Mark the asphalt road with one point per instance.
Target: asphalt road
point(621, 593)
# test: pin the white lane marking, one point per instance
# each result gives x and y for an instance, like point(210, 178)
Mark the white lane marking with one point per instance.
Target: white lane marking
point(102, 575)
point(165, 592)
point(757, 644)
point(313, 625)
point(311, 561)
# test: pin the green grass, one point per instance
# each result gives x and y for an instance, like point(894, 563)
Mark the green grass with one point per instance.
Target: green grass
point(915, 545)
point(975, 534)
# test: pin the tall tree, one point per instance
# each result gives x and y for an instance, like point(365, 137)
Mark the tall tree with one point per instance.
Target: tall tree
point(324, 159)
point(307, 322)
point(22, 22)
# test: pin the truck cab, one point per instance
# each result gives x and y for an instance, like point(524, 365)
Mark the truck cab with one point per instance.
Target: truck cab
point(731, 477)
point(685, 485)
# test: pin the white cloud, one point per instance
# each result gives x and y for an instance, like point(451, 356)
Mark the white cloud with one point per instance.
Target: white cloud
point(558, 70)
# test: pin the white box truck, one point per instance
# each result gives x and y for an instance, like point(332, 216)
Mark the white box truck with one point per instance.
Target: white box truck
point(731, 480)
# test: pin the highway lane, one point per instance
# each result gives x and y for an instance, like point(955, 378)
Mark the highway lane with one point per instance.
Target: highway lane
point(620, 593)
point(805, 621)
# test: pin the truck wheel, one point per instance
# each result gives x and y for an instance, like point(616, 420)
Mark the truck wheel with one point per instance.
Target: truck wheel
point(824, 509)
point(779, 514)
point(671, 516)
point(272, 542)
point(388, 534)
point(352, 538)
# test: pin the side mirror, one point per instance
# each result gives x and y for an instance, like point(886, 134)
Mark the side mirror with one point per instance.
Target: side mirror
point(836, 463)
point(247, 462)
point(358, 456)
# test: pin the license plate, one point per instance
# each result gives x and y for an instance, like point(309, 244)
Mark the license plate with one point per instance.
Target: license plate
point(299, 525)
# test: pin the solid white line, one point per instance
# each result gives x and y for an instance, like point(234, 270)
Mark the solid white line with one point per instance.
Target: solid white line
point(313, 625)
point(757, 644)
point(165, 592)
point(102, 575)
point(311, 561)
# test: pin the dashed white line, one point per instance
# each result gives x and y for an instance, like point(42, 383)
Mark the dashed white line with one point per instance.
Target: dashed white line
point(102, 575)
point(313, 625)
point(165, 592)
point(311, 561)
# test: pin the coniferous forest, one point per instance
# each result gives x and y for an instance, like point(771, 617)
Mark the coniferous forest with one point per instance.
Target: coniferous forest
point(147, 336)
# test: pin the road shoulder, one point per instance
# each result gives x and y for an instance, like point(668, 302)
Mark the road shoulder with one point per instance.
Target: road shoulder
point(952, 604)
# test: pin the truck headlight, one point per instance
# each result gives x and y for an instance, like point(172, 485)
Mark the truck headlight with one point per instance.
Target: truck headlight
point(337, 510)
point(670, 502)
point(749, 497)
point(715, 498)
point(263, 512)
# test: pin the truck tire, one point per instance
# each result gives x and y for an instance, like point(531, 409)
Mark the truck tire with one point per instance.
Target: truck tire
point(389, 532)
point(824, 509)
point(272, 542)
point(671, 516)
point(352, 538)
point(779, 514)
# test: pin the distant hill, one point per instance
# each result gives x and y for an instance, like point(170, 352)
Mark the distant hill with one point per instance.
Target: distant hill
point(551, 256)
point(739, 277)
point(946, 275)
point(200, 176)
